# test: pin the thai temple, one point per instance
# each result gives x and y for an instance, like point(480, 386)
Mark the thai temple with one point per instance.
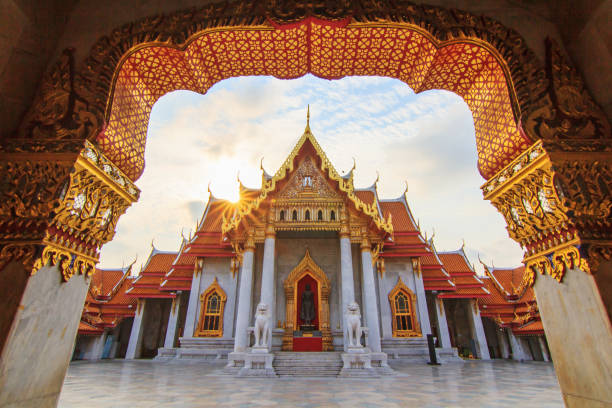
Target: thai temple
point(309, 263)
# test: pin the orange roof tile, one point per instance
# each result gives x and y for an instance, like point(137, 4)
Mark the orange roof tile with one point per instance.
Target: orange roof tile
point(400, 218)
point(366, 196)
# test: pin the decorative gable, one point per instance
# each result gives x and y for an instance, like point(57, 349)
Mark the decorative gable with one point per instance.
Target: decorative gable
point(307, 181)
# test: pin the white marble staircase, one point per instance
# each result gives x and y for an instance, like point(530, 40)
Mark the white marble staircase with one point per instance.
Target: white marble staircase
point(415, 350)
point(307, 364)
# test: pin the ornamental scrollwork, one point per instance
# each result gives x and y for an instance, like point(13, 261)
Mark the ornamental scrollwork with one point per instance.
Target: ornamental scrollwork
point(526, 195)
point(59, 111)
point(60, 212)
point(556, 264)
point(569, 120)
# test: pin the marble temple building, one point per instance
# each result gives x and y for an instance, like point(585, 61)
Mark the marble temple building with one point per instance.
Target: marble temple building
point(309, 263)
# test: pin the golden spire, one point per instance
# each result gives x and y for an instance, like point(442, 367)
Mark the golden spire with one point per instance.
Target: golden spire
point(307, 120)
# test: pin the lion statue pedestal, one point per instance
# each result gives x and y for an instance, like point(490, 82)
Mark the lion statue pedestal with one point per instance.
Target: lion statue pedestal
point(359, 361)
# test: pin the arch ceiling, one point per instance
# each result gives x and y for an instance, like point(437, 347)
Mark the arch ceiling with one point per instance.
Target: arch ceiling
point(327, 50)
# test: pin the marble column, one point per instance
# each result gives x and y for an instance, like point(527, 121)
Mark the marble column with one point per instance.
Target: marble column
point(194, 300)
point(478, 330)
point(347, 278)
point(442, 324)
point(370, 302)
point(243, 317)
point(502, 339)
point(97, 347)
point(268, 294)
point(543, 348)
point(419, 289)
point(135, 343)
point(173, 321)
point(518, 352)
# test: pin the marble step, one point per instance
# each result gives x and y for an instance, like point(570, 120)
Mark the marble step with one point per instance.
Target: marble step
point(307, 364)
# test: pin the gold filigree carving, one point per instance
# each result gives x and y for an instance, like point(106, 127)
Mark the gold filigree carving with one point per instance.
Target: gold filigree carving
point(571, 120)
point(59, 111)
point(65, 205)
point(525, 194)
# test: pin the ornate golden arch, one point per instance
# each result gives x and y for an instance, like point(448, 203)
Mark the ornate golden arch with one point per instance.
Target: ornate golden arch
point(213, 288)
point(400, 287)
point(307, 266)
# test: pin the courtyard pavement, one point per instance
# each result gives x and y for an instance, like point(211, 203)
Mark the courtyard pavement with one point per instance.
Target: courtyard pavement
point(146, 383)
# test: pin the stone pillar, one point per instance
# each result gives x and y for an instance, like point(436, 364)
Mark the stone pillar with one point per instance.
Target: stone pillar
point(478, 332)
point(97, 348)
point(40, 339)
point(173, 321)
point(442, 324)
point(191, 317)
point(579, 335)
point(347, 277)
point(243, 317)
point(543, 348)
point(370, 302)
point(419, 289)
point(135, 343)
point(518, 352)
point(502, 339)
point(268, 286)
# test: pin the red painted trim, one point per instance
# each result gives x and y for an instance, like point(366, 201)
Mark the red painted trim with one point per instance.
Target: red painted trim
point(458, 296)
point(146, 296)
point(215, 254)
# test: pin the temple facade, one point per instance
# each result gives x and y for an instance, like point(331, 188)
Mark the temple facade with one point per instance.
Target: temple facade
point(308, 262)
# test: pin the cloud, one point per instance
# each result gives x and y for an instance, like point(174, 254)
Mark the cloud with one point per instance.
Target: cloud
point(426, 139)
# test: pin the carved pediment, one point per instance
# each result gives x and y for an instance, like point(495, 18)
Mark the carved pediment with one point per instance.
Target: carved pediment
point(307, 181)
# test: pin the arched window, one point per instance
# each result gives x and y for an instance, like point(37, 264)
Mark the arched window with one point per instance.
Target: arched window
point(294, 215)
point(320, 216)
point(403, 311)
point(282, 215)
point(307, 215)
point(332, 216)
point(212, 303)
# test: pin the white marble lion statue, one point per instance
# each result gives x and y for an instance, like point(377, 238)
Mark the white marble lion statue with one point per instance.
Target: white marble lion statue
point(353, 324)
point(262, 325)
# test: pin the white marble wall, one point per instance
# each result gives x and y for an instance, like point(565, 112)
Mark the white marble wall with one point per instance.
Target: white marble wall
point(396, 268)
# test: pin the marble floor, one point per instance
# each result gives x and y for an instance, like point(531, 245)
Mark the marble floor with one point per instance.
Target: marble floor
point(145, 383)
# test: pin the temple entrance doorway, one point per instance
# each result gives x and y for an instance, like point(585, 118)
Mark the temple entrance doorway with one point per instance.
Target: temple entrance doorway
point(307, 309)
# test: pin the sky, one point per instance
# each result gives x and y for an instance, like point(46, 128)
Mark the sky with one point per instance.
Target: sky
point(426, 140)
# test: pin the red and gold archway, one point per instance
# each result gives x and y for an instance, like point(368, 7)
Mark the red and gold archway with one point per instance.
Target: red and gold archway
point(469, 67)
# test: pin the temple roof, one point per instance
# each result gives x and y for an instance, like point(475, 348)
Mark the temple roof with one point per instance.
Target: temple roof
point(181, 272)
point(467, 283)
point(106, 302)
point(252, 199)
point(507, 307)
point(146, 285)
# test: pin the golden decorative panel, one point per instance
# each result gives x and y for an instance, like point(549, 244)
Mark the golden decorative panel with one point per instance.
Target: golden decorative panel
point(85, 202)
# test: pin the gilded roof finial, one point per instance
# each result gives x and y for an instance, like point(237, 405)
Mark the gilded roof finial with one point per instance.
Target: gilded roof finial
point(307, 120)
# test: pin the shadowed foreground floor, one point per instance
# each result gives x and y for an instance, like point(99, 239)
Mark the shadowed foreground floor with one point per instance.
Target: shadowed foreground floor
point(145, 383)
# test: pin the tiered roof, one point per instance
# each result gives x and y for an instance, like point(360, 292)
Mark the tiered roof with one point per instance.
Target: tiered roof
point(467, 283)
point(181, 272)
point(508, 307)
point(106, 303)
point(147, 284)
